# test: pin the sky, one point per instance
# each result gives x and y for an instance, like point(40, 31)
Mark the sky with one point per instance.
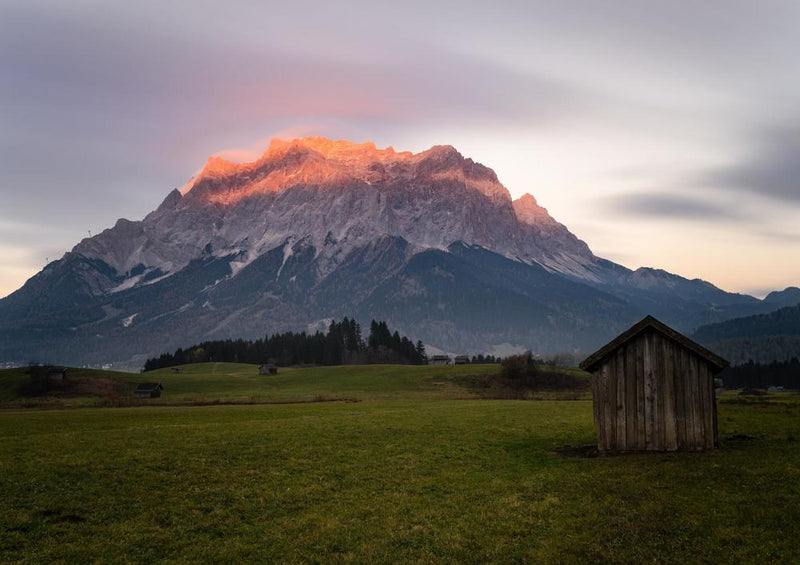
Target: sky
point(664, 134)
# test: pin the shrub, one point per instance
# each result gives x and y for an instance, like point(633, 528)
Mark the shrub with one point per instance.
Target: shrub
point(522, 372)
point(519, 371)
point(38, 383)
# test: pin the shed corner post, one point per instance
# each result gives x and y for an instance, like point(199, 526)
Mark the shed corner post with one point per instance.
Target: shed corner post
point(714, 413)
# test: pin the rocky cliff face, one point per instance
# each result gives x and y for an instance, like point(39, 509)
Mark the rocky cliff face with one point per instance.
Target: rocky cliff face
point(431, 242)
point(337, 196)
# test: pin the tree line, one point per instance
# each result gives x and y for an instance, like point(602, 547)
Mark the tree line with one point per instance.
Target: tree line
point(341, 344)
point(758, 375)
point(481, 358)
point(763, 349)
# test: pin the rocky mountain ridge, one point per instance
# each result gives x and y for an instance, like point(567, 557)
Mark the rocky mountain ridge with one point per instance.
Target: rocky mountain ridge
point(337, 196)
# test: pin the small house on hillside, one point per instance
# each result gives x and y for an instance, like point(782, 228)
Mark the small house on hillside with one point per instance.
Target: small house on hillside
point(439, 360)
point(148, 390)
point(56, 374)
point(653, 390)
point(461, 359)
point(268, 369)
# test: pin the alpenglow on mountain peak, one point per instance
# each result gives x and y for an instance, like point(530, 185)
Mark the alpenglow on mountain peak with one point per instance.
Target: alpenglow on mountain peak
point(324, 162)
point(335, 196)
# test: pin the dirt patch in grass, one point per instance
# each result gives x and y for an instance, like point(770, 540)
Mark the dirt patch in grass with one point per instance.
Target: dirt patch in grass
point(244, 402)
point(591, 451)
point(546, 385)
point(585, 451)
point(127, 401)
point(738, 438)
point(59, 516)
point(38, 386)
point(92, 386)
point(753, 392)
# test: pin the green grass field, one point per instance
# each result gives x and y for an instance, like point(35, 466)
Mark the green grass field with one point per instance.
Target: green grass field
point(234, 381)
point(412, 473)
point(241, 383)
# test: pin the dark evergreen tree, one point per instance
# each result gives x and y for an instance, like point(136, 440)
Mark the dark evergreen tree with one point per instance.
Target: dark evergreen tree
point(422, 356)
point(755, 375)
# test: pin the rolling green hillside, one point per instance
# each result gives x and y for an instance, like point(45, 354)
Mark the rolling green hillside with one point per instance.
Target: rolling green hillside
point(241, 383)
point(86, 387)
point(236, 381)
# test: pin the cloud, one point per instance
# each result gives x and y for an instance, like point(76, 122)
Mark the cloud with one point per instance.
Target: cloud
point(22, 258)
point(780, 236)
point(256, 149)
point(771, 168)
point(666, 205)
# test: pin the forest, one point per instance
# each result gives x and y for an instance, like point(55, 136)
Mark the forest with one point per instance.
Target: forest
point(763, 375)
point(341, 344)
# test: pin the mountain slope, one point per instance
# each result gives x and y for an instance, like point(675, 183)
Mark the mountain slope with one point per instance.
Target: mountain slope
point(460, 299)
point(784, 321)
point(684, 303)
point(763, 338)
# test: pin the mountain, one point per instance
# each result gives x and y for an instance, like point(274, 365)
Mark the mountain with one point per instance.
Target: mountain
point(337, 196)
point(761, 338)
point(315, 229)
point(685, 303)
point(780, 298)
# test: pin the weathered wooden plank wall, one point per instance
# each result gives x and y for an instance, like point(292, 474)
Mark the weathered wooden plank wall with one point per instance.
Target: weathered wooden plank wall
point(619, 373)
point(629, 367)
point(654, 394)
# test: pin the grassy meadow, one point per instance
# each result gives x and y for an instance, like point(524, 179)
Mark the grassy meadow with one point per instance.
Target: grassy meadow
point(417, 471)
point(240, 383)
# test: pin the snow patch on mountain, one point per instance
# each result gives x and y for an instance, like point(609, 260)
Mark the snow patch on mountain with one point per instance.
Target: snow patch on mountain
point(287, 252)
point(126, 323)
point(126, 284)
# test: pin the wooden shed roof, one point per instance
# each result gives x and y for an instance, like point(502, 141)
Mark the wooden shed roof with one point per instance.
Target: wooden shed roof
point(147, 387)
point(649, 322)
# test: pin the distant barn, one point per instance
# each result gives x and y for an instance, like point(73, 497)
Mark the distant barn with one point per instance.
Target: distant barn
point(56, 374)
point(148, 390)
point(439, 360)
point(268, 369)
point(653, 390)
point(461, 359)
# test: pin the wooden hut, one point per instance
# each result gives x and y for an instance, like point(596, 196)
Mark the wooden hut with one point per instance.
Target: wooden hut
point(268, 369)
point(148, 390)
point(653, 390)
point(57, 374)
